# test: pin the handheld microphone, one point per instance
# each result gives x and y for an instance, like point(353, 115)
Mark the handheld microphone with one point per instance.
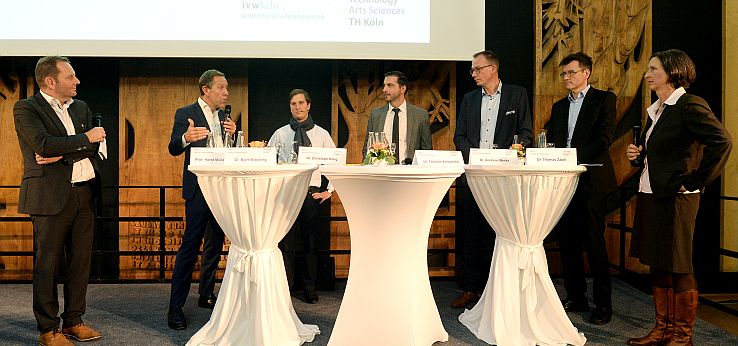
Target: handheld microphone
point(637, 142)
point(227, 111)
point(98, 120)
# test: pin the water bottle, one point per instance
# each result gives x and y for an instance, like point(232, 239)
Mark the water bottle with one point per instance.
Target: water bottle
point(239, 140)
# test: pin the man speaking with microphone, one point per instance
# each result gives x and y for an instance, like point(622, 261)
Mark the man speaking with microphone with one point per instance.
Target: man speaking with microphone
point(191, 126)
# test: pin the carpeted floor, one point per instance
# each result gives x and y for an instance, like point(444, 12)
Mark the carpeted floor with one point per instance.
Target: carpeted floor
point(135, 314)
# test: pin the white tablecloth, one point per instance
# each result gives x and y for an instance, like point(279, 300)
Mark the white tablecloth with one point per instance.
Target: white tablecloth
point(520, 305)
point(388, 298)
point(255, 206)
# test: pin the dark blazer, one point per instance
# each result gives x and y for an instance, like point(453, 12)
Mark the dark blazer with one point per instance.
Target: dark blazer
point(688, 147)
point(45, 188)
point(418, 136)
point(513, 118)
point(194, 112)
point(592, 137)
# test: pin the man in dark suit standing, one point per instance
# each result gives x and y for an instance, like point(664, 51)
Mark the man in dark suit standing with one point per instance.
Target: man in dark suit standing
point(490, 117)
point(192, 124)
point(404, 124)
point(59, 143)
point(584, 120)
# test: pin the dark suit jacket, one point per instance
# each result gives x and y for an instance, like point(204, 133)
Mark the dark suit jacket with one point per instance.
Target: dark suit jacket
point(592, 137)
point(688, 147)
point(194, 112)
point(45, 188)
point(418, 136)
point(513, 118)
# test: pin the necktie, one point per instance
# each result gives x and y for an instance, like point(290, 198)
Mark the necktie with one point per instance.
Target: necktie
point(396, 133)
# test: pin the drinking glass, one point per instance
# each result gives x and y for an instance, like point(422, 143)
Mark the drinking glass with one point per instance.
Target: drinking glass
point(210, 142)
point(239, 140)
point(383, 138)
point(293, 153)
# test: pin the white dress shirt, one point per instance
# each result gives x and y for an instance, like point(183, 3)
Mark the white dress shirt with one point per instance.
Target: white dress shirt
point(402, 116)
point(82, 170)
point(213, 122)
point(488, 124)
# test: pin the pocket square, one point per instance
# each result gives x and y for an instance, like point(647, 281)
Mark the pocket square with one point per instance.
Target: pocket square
point(510, 112)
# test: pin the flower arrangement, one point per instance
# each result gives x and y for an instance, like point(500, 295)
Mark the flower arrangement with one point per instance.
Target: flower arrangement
point(257, 144)
point(379, 154)
point(519, 148)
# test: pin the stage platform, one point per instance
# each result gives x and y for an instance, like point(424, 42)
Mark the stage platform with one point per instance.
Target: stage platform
point(135, 314)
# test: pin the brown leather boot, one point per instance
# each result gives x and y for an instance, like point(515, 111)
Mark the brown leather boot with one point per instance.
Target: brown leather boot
point(53, 338)
point(663, 299)
point(685, 304)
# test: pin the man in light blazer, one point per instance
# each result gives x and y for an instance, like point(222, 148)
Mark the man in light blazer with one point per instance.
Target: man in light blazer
point(59, 143)
point(490, 116)
point(411, 122)
point(192, 124)
point(585, 120)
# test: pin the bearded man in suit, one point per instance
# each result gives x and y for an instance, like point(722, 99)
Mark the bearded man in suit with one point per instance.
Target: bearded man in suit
point(406, 124)
point(60, 146)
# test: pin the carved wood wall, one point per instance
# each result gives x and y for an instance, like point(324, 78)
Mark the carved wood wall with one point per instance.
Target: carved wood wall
point(617, 35)
point(14, 236)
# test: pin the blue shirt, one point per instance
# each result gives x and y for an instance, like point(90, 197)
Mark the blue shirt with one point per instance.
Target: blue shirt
point(575, 105)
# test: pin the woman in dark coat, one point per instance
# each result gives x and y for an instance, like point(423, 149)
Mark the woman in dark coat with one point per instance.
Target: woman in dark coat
point(685, 148)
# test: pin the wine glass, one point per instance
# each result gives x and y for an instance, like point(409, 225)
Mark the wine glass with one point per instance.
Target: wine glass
point(293, 153)
point(383, 139)
point(369, 141)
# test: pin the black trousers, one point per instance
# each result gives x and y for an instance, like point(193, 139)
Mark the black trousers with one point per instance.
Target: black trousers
point(200, 224)
point(306, 230)
point(479, 243)
point(66, 236)
point(582, 228)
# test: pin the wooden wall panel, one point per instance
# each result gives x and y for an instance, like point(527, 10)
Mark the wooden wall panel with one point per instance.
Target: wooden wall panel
point(14, 236)
point(147, 107)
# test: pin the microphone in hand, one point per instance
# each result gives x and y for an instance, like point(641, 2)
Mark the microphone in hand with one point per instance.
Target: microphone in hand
point(638, 161)
point(98, 120)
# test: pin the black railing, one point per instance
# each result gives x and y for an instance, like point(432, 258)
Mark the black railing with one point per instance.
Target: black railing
point(633, 278)
point(625, 195)
point(161, 219)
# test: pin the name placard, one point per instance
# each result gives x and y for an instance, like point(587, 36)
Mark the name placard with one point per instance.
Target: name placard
point(233, 156)
point(438, 158)
point(551, 156)
point(493, 157)
point(322, 156)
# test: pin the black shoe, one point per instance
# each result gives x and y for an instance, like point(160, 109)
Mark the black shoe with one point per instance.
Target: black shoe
point(207, 302)
point(310, 296)
point(601, 315)
point(575, 304)
point(176, 318)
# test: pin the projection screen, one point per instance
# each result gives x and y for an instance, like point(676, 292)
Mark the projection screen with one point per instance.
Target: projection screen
point(328, 29)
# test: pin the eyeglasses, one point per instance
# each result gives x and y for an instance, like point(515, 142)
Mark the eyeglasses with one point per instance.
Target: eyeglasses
point(478, 69)
point(570, 73)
